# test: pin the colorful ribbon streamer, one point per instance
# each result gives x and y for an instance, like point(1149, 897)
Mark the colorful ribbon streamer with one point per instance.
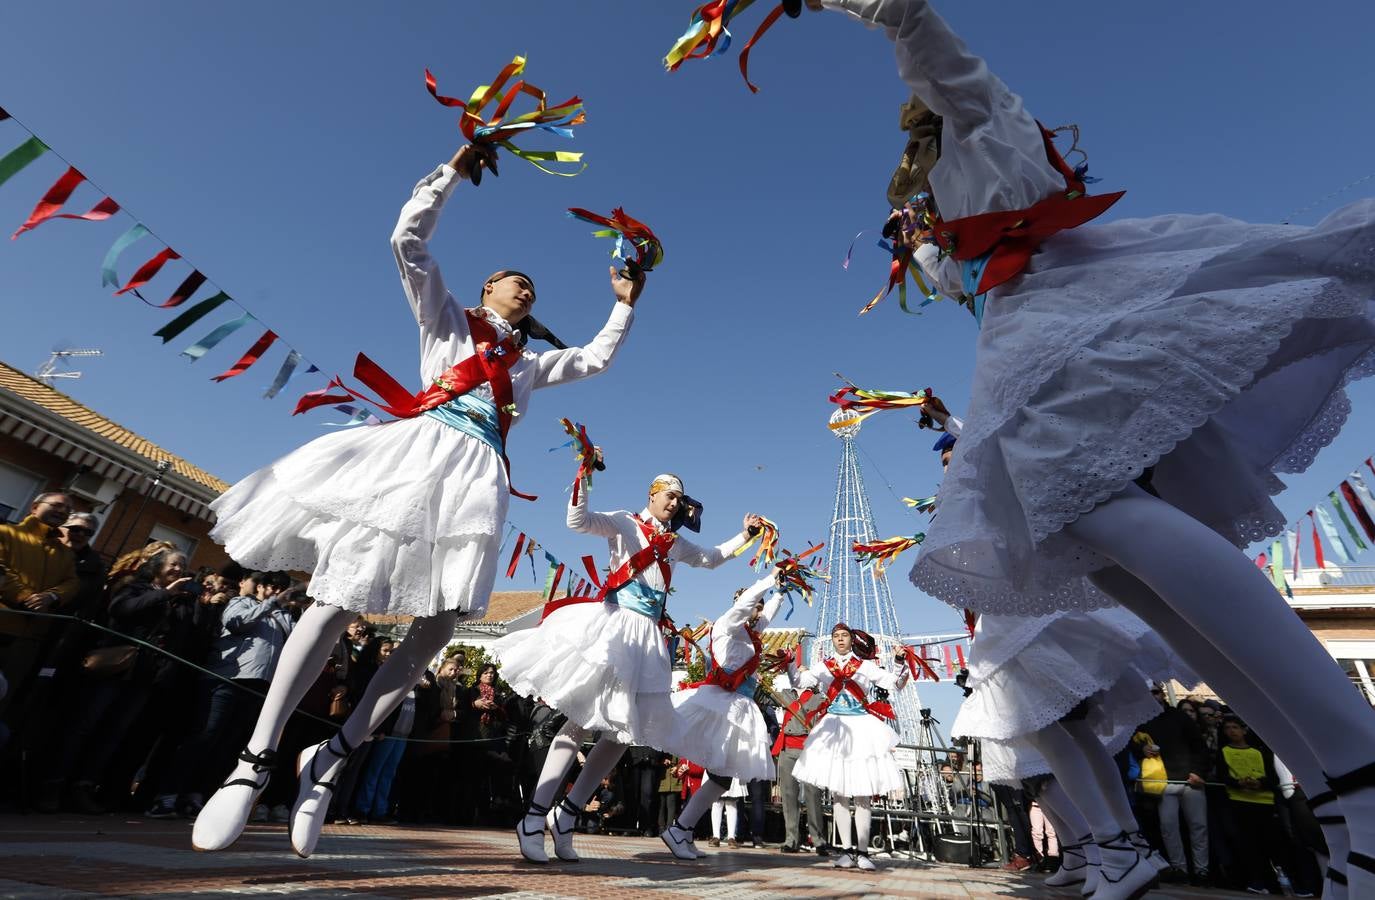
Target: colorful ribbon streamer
point(207, 343)
point(917, 663)
point(870, 402)
point(583, 452)
point(148, 270)
point(706, 33)
point(57, 195)
point(882, 553)
point(20, 157)
point(796, 575)
point(108, 276)
point(499, 130)
point(248, 359)
point(649, 250)
point(191, 316)
point(921, 504)
point(183, 292)
point(767, 538)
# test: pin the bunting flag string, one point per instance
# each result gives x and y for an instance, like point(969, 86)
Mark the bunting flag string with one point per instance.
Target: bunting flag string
point(1329, 531)
point(515, 556)
point(257, 350)
point(499, 130)
point(649, 250)
point(1350, 529)
point(1358, 510)
point(57, 196)
point(50, 207)
point(1317, 544)
point(1291, 537)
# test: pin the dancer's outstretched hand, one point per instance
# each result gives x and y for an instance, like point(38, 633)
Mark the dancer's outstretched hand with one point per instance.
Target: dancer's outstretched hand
point(753, 522)
point(627, 290)
point(471, 159)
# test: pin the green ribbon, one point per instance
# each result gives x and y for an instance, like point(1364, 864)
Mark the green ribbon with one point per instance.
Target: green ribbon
point(1341, 511)
point(1277, 565)
point(108, 276)
point(190, 317)
point(20, 157)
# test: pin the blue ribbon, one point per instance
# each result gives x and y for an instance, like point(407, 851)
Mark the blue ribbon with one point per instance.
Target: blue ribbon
point(108, 276)
point(285, 374)
point(639, 597)
point(207, 343)
point(972, 271)
point(474, 416)
point(1329, 530)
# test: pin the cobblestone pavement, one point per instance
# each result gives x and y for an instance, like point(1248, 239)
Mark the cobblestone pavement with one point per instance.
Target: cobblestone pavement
point(115, 856)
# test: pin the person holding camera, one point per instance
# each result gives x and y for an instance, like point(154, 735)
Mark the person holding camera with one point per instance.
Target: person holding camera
point(153, 601)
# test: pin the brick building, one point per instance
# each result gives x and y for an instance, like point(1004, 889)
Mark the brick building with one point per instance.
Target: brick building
point(141, 492)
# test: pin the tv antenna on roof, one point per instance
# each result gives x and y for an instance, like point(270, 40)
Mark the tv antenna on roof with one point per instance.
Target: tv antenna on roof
point(51, 369)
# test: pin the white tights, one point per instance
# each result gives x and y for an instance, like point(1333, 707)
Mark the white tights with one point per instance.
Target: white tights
point(707, 796)
point(1087, 775)
point(1224, 605)
point(308, 647)
point(840, 809)
point(563, 752)
point(732, 810)
point(1069, 823)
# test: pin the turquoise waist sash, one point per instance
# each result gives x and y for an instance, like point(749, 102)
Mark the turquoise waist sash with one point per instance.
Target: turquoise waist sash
point(639, 597)
point(845, 704)
point(473, 416)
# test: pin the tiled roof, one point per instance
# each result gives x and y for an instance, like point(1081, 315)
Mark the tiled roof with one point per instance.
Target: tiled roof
point(775, 639)
point(54, 401)
point(504, 606)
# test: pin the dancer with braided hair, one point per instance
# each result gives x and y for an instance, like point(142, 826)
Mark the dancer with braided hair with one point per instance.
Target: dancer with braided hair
point(402, 518)
point(849, 752)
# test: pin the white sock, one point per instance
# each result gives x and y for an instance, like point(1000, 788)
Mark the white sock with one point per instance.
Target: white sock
point(1103, 771)
point(399, 675)
point(863, 819)
point(600, 762)
point(840, 810)
point(563, 751)
point(708, 796)
point(732, 818)
point(1261, 713)
point(1072, 770)
point(302, 658)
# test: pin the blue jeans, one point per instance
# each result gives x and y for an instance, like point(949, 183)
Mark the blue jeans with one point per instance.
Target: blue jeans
point(373, 799)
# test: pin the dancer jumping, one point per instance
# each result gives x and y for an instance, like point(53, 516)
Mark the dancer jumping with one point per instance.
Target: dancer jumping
point(402, 518)
point(605, 664)
point(1122, 422)
point(719, 725)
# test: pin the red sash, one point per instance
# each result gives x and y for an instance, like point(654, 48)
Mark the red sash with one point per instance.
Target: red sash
point(656, 551)
point(731, 681)
point(1013, 236)
point(490, 363)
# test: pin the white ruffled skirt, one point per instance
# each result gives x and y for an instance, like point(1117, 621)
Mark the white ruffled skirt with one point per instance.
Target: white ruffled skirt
point(402, 518)
point(1165, 343)
point(1027, 673)
point(604, 667)
point(851, 756)
point(721, 731)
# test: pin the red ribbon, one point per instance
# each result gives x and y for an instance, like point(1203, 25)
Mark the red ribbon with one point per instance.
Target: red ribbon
point(959, 654)
point(554, 585)
point(949, 666)
point(249, 358)
point(184, 291)
point(1356, 507)
point(971, 619)
point(759, 32)
point(58, 195)
point(917, 664)
point(655, 551)
point(149, 269)
point(515, 556)
point(731, 681)
point(590, 564)
point(1317, 544)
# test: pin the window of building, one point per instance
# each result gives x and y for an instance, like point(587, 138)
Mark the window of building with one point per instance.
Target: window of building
point(1357, 659)
point(18, 487)
point(183, 542)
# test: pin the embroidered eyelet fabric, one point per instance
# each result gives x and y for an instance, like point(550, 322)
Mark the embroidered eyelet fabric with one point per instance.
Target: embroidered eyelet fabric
point(1149, 343)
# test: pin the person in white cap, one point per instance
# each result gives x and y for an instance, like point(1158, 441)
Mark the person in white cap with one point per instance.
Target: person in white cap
point(602, 661)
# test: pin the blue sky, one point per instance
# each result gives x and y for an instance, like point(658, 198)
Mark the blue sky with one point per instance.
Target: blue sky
point(273, 144)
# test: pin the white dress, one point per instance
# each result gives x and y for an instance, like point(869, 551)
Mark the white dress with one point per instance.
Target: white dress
point(1028, 672)
point(404, 517)
point(605, 665)
point(850, 752)
point(1163, 342)
point(724, 731)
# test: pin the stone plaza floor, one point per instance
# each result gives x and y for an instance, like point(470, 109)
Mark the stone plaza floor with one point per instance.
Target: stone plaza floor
point(121, 856)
